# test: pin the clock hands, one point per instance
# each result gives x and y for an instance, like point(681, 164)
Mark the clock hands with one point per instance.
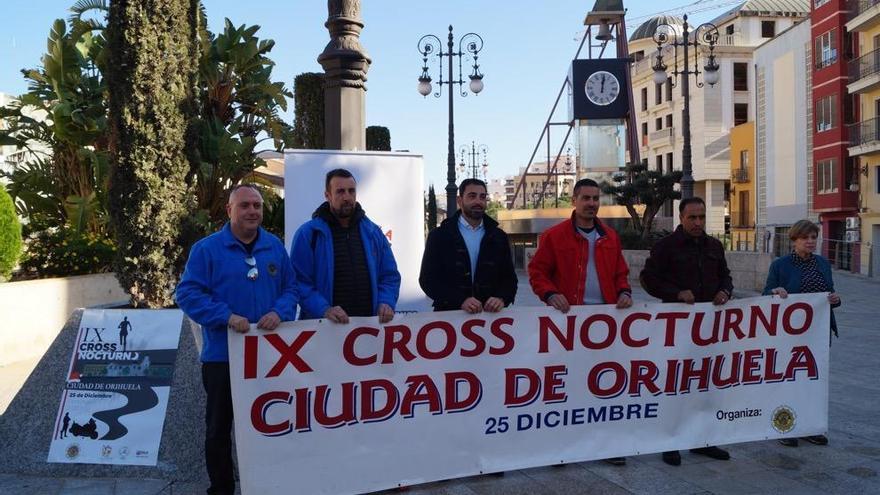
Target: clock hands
point(602, 87)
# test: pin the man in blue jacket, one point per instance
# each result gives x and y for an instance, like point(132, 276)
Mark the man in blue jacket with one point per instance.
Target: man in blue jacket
point(234, 278)
point(343, 262)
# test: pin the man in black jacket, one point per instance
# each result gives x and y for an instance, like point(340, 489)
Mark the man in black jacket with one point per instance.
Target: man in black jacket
point(688, 266)
point(467, 263)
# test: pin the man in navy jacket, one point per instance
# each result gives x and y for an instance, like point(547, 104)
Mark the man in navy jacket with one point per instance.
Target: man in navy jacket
point(343, 262)
point(234, 278)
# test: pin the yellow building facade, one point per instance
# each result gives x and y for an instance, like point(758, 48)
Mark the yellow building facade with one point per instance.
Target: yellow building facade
point(864, 85)
point(742, 187)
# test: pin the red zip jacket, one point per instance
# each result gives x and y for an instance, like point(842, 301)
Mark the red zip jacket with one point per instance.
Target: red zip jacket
point(560, 263)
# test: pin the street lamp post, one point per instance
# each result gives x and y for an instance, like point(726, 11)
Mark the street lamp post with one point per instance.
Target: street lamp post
point(430, 45)
point(705, 34)
point(474, 167)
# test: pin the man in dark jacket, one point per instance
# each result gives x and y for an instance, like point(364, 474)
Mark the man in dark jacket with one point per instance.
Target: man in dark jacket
point(343, 262)
point(688, 266)
point(467, 263)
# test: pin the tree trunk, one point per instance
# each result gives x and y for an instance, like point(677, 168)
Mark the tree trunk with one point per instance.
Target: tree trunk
point(152, 77)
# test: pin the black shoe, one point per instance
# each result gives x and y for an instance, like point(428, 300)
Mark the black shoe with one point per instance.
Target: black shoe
point(616, 461)
point(817, 439)
point(673, 458)
point(713, 452)
point(789, 442)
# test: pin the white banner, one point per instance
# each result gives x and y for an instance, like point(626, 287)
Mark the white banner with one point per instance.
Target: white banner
point(330, 408)
point(389, 188)
point(113, 406)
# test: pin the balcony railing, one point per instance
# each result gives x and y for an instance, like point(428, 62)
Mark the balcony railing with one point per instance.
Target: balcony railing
point(740, 175)
point(865, 132)
point(864, 66)
point(858, 7)
point(742, 219)
point(662, 134)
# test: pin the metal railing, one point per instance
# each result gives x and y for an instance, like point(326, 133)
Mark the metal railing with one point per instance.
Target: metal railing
point(864, 66)
point(858, 7)
point(740, 175)
point(744, 219)
point(842, 255)
point(864, 132)
point(667, 133)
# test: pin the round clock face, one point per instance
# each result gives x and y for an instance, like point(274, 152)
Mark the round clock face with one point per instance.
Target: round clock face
point(602, 88)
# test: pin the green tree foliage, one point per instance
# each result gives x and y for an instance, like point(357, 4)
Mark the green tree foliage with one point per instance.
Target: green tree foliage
point(493, 207)
point(646, 187)
point(431, 210)
point(152, 73)
point(378, 138)
point(59, 179)
point(59, 176)
point(239, 108)
point(308, 124)
point(10, 235)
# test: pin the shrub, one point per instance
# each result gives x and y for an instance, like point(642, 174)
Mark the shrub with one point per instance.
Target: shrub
point(62, 253)
point(10, 235)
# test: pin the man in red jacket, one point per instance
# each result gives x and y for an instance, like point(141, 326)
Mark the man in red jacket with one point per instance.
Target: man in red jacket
point(579, 261)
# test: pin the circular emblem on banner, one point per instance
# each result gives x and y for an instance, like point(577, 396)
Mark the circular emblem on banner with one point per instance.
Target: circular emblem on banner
point(72, 451)
point(783, 419)
point(123, 452)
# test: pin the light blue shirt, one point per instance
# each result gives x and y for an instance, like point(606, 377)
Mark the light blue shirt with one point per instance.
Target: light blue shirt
point(592, 291)
point(473, 236)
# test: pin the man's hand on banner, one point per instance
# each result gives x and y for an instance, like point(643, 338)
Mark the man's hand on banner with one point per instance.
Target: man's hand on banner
point(336, 314)
point(494, 304)
point(386, 314)
point(239, 324)
point(269, 321)
point(472, 305)
point(720, 298)
point(779, 291)
point(624, 301)
point(559, 302)
point(686, 297)
point(834, 298)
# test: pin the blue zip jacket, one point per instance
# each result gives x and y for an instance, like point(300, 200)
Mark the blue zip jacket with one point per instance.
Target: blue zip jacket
point(783, 273)
point(215, 285)
point(312, 257)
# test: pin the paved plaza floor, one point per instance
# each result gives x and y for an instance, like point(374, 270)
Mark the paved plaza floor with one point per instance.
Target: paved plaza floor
point(848, 465)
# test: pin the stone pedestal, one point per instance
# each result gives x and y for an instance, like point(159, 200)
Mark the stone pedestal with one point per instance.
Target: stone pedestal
point(345, 64)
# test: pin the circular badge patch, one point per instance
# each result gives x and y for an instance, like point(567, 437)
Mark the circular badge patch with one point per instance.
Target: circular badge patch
point(783, 419)
point(72, 451)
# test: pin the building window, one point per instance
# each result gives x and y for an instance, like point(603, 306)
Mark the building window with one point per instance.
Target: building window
point(668, 89)
point(659, 159)
point(826, 176)
point(639, 55)
point(729, 30)
point(768, 29)
point(826, 49)
point(826, 113)
point(644, 99)
point(819, 3)
point(740, 76)
point(740, 113)
point(658, 94)
point(877, 180)
point(744, 160)
point(669, 120)
point(668, 163)
point(658, 123)
point(644, 134)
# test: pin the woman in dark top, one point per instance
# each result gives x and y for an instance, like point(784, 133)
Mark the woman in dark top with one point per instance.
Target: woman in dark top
point(802, 272)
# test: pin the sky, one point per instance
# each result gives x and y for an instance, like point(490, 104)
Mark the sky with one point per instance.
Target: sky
point(528, 47)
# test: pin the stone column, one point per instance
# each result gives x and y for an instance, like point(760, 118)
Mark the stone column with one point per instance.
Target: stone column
point(345, 64)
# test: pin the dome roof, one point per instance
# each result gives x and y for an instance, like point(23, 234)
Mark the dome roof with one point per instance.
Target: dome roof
point(649, 27)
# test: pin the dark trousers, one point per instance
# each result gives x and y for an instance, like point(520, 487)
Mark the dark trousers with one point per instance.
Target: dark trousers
point(218, 428)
